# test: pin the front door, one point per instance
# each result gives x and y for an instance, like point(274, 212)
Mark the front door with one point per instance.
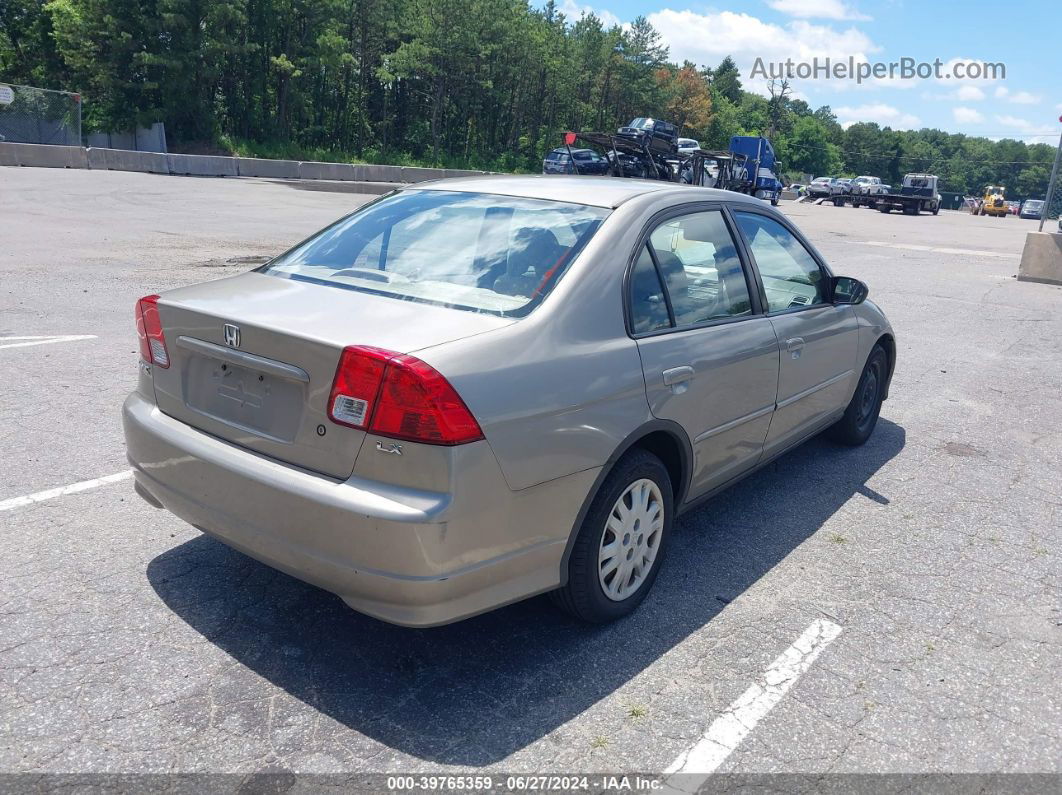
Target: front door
point(818, 341)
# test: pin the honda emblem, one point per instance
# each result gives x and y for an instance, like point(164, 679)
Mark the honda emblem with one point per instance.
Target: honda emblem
point(232, 335)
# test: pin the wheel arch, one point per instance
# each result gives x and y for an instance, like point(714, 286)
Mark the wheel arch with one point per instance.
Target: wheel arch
point(887, 342)
point(663, 438)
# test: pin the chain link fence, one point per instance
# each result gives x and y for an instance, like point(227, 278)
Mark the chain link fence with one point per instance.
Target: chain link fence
point(31, 115)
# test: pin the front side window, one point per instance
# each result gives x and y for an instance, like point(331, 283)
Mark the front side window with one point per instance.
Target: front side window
point(473, 251)
point(701, 269)
point(791, 276)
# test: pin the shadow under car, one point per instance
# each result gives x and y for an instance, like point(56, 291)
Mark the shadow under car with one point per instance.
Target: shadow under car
point(474, 692)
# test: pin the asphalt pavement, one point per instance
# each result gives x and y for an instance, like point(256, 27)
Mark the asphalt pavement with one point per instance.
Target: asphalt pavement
point(925, 565)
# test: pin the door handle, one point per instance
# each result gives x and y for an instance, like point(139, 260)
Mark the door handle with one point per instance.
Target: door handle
point(794, 344)
point(677, 375)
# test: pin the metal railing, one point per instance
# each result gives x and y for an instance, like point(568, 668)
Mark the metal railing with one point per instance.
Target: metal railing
point(32, 115)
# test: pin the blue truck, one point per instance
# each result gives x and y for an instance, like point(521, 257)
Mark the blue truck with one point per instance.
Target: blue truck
point(758, 175)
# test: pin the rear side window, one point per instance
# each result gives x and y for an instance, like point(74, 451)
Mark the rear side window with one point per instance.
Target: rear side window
point(473, 251)
point(699, 262)
point(791, 276)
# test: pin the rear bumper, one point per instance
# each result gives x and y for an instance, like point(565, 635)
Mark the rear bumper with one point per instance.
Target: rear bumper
point(406, 556)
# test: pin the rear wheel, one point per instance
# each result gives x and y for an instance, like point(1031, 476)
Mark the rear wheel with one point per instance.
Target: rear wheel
point(861, 416)
point(621, 542)
point(884, 208)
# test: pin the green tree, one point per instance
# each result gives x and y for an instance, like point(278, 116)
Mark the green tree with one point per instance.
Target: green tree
point(726, 80)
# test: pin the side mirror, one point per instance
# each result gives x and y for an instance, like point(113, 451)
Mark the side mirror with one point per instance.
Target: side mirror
point(846, 290)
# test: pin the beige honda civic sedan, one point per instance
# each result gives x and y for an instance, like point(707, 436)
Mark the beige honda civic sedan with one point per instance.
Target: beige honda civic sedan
point(472, 391)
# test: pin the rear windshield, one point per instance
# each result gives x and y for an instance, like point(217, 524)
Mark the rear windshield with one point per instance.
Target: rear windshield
point(475, 251)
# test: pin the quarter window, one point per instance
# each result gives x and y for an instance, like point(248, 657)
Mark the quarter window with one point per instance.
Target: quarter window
point(648, 305)
point(700, 266)
point(791, 276)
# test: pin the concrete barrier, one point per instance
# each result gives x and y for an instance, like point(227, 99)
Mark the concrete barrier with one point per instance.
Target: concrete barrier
point(127, 160)
point(102, 158)
point(8, 155)
point(42, 156)
point(261, 167)
point(416, 174)
point(334, 171)
point(447, 173)
point(368, 172)
point(202, 165)
point(1041, 259)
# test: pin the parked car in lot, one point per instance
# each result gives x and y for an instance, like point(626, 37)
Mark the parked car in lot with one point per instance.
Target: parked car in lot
point(1033, 208)
point(580, 161)
point(471, 391)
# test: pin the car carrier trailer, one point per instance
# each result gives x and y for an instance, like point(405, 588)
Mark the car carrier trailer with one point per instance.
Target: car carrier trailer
point(643, 157)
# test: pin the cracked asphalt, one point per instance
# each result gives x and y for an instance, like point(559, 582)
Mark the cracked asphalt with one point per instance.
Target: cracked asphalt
point(129, 642)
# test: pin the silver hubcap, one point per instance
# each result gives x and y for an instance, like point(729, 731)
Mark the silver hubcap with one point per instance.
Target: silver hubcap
point(631, 540)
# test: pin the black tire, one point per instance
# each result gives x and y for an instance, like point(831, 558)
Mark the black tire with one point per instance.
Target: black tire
point(936, 209)
point(583, 595)
point(774, 202)
point(861, 416)
point(884, 208)
point(838, 202)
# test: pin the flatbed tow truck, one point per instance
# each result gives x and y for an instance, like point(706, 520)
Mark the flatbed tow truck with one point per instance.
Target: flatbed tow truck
point(918, 192)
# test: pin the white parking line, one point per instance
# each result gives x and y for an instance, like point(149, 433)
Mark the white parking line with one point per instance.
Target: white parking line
point(62, 491)
point(691, 769)
point(973, 252)
point(26, 342)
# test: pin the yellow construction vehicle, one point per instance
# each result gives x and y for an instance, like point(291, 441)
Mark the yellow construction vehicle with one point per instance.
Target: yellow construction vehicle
point(994, 201)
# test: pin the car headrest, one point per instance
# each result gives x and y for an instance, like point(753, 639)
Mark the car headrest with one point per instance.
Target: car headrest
point(534, 248)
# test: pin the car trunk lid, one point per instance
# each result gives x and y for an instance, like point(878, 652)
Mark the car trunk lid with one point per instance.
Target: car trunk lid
point(253, 358)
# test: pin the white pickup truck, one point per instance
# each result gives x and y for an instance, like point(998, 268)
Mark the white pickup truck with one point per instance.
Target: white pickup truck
point(866, 190)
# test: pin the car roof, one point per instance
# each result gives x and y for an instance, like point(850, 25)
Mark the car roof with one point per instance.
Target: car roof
point(594, 191)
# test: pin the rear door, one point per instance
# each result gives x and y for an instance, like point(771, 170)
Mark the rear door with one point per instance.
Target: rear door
point(818, 341)
point(709, 357)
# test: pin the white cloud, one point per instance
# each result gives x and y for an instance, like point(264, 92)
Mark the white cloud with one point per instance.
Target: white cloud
point(823, 9)
point(708, 38)
point(966, 115)
point(1001, 92)
point(1024, 98)
point(885, 115)
point(970, 94)
point(574, 11)
point(1013, 121)
point(1026, 130)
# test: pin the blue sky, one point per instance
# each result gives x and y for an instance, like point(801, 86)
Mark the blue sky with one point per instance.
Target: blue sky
point(1022, 35)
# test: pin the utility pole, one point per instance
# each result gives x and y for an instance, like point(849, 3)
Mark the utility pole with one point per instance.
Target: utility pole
point(1051, 184)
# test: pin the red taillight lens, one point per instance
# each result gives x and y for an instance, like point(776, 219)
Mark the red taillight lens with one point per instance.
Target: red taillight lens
point(356, 385)
point(400, 396)
point(149, 331)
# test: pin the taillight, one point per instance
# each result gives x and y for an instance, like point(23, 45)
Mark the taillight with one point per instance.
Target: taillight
point(149, 331)
point(392, 394)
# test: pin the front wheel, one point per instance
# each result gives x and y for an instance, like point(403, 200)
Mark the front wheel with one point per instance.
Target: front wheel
point(861, 415)
point(621, 542)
